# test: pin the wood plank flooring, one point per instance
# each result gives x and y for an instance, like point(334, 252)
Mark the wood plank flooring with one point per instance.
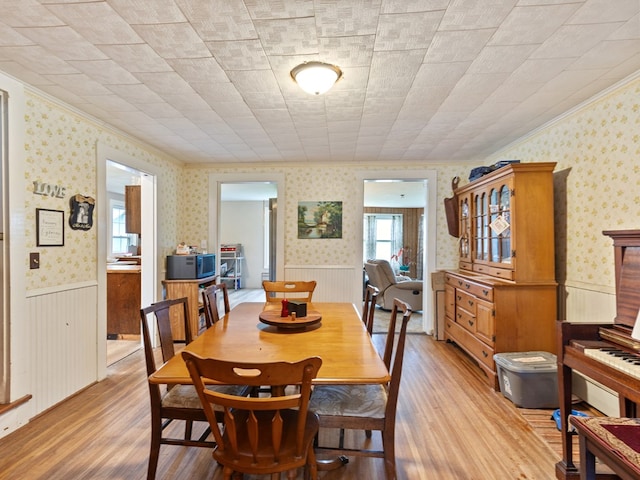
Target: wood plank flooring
point(450, 426)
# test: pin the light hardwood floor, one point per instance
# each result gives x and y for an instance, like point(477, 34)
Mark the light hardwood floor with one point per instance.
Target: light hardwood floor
point(450, 425)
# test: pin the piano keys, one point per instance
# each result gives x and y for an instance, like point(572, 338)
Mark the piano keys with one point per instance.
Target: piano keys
point(622, 360)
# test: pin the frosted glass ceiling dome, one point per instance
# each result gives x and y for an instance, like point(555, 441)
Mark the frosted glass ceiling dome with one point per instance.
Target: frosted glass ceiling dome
point(316, 78)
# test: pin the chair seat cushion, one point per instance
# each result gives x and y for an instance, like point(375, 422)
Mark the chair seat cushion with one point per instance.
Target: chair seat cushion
point(349, 400)
point(185, 396)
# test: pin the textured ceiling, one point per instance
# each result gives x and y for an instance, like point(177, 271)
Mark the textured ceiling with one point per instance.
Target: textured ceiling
point(207, 81)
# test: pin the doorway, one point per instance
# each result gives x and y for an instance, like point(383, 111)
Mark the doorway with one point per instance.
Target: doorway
point(115, 170)
point(419, 190)
point(240, 214)
point(123, 261)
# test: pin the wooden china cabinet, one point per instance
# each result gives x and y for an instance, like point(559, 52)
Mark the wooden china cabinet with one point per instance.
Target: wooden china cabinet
point(503, 296)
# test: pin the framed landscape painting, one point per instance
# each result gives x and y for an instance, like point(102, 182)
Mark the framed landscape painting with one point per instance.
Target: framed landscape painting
point(319, 219)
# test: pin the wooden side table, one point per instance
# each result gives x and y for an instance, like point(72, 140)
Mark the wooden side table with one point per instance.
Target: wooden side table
point(615, 441)
point(189, 288)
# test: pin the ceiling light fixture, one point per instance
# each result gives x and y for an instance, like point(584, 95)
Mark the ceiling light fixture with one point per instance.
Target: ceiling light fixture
point(316, 78)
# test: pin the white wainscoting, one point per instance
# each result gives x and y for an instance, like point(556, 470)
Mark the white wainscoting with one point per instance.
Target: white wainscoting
point(587, 305)
point(63, 357)
point(336, 283)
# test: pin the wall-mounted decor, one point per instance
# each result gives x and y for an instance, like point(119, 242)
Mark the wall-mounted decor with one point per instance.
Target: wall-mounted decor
point(319, 219)
point(81, 212)
point(49, 228)
point(40, 188)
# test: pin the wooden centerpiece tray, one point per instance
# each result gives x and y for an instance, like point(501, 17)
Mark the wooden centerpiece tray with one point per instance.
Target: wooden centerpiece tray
point(272, 317)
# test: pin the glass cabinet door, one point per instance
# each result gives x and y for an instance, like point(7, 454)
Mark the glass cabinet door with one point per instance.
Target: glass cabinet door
point(494, 213)
point(492, 225)
point(481, 226)
point(465, 228)
point(505, 236)
point(500, 224)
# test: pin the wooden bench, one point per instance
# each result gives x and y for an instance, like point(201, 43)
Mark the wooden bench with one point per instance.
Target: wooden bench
point(614, 441)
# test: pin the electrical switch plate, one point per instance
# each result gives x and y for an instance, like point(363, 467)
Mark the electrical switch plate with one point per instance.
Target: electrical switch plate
point(34, 260)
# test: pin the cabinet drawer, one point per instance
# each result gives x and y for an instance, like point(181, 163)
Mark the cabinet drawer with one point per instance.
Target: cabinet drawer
point(479, 290)
point(463, 265)
point(466, 319)
point(466, 301)
point(474, 347)
point(494, 272)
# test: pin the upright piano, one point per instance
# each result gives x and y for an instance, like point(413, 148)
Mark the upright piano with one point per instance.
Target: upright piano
point(607, 352)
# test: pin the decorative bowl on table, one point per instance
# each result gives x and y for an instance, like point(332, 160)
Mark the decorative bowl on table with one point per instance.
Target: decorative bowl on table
point(272, 317)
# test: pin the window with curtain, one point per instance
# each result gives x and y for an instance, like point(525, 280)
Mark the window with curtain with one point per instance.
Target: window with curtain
point(382, 236)
point(120, 239)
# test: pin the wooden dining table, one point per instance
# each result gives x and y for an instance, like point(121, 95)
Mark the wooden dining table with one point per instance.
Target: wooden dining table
point(340, 338)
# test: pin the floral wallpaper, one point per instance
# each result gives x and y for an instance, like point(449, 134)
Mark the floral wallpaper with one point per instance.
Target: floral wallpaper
point(597, 181)
point(597, 184)
point(310, 183)
point(60, 150)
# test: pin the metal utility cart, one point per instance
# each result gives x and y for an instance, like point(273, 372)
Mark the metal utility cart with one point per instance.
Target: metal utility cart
point(231, 257)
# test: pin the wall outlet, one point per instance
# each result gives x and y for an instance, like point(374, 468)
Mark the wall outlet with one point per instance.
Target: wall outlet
point(34, 260)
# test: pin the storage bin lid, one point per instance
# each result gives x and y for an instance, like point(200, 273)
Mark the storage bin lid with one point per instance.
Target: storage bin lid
point(527, 361)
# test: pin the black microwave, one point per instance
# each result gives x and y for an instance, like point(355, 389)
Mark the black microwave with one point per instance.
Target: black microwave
point(183, 267)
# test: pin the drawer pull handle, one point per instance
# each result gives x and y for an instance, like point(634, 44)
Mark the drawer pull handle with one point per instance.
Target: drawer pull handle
point(485, 354)
point(471, 303)
point(467, 286)
point(459, 297)
point(485, 292)
point(470, 323)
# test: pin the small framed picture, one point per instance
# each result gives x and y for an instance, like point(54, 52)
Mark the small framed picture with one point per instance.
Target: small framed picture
point(49, 228)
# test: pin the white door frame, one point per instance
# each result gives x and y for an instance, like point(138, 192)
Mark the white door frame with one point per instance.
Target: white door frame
point(429, 260)
point(215, 189)
point(148, 239)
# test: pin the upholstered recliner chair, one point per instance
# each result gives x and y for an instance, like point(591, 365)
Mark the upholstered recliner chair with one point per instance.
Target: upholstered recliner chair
point(382, 277)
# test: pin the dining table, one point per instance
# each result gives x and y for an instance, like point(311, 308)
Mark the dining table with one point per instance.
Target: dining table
point(331, 331)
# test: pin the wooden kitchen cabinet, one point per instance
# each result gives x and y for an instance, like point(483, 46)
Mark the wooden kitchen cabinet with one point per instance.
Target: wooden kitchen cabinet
point(123, 300)
point(190, 288)
point(503, 297)
point(132, 208)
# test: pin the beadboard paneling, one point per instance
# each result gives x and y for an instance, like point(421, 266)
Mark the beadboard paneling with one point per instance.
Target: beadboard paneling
point(335, 282)
point(64, 354)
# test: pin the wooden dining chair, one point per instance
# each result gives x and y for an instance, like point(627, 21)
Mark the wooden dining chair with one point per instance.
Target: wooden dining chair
point(265, 435)
point(177, 402)
point(301, 291)
point(369, 307)
point(367, 407)
point(211, 303)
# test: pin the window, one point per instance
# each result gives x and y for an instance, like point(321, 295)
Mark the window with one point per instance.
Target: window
point(382, 236)
point(120, 239)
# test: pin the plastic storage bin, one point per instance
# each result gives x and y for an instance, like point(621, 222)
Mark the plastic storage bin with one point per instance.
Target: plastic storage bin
point(528, 379)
